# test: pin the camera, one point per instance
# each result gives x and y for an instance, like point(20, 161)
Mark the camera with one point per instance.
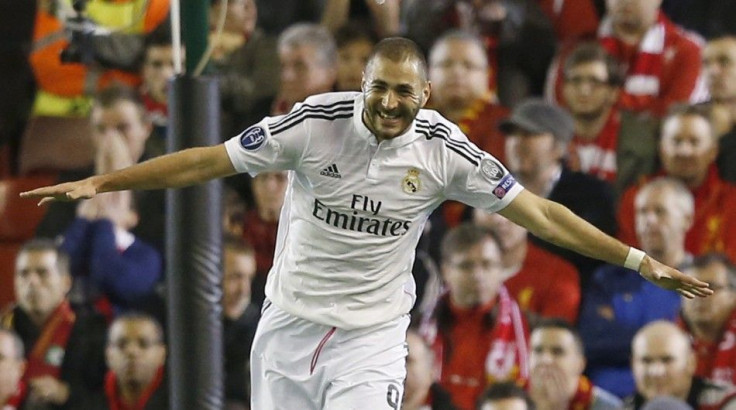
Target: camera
point(80, 29)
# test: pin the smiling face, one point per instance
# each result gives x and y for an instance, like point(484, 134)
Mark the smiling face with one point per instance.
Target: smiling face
point(393, 93)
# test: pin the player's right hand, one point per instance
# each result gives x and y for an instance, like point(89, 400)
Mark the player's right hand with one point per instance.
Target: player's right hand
point(69, 191)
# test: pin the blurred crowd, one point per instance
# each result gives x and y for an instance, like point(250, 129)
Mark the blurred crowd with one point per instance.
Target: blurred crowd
point(622, 110)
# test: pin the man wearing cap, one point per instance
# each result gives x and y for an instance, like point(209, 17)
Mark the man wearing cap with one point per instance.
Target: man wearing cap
point(538, 134)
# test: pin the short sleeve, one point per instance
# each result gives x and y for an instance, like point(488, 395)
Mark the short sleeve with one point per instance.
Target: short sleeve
point(273, 144)
point(477, 178)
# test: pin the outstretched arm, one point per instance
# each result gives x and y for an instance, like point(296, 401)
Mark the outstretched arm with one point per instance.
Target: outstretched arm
point(179, 169)
point(558, 225)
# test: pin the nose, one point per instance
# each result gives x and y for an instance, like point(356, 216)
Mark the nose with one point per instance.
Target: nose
point(389, 100)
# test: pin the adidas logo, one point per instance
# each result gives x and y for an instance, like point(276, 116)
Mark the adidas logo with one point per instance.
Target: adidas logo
point(331, 172)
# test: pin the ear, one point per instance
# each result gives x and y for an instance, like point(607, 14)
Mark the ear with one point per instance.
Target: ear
point(426, 92)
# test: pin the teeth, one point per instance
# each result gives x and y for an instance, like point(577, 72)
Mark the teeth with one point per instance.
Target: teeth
point(387, 116)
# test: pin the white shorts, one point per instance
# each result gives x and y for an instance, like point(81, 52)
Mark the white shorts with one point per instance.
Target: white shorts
point(298, 364)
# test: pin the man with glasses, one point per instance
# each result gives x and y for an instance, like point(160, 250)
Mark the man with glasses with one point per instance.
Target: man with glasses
point(610, 144)
point(712, 323)
point(476, 329)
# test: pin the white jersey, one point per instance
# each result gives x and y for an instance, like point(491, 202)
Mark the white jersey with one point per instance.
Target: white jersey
point(354, 209)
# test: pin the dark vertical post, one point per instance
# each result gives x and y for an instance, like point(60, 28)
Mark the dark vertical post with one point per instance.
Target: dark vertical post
point(193, 254)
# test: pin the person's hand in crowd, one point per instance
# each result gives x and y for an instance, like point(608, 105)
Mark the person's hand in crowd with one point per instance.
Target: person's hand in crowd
point(672, 279)
point(548, 387)
point(47, 389)
point(112, 153)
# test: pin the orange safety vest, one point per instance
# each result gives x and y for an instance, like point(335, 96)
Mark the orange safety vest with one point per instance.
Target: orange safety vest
point(66, 89)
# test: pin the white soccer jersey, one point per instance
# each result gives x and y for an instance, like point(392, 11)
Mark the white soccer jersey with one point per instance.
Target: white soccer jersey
point(354, 209)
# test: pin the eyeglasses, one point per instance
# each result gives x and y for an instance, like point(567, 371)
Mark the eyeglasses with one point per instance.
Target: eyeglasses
point(594, 82)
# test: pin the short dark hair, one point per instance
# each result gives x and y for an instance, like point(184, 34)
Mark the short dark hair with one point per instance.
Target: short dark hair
point(399, 49)
point(560, 323)
point(48, 245)
point(504, 390)
point(591, 52)
point(134, 316)
point(351, 33)
point(463, 237)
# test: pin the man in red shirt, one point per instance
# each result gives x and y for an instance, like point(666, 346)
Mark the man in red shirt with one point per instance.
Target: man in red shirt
point(610, 144)
point(662, 61)
point(712, 323)
point(542, 283)
point(688, 151)
point(476, 330)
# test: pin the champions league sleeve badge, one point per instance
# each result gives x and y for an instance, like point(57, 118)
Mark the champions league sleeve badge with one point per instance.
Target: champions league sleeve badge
point(253, 138)
point(411, 183)
point(491, 170)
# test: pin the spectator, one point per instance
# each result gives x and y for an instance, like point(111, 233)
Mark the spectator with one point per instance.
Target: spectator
point(519, 39)
point(476, 330)
point(619, 303)
point(543, 284)
point(421, 392)
point(505, 396)
point(538, 134)
point(157, 72)
point(308, 57)
point(661, 60)
point(240, 318)
point(111, 267)
point(613, 145)
point(556, 365)
point(354, 45)
point(261, 225)
point(12, 366)
point(247, 69)
point(382, 18)
point(719, 66)
point(712, 324)
point(688, 150)
point(664, 365)
point(64, 348)
point(136, 356)
point(458, 69)
point(118, 112)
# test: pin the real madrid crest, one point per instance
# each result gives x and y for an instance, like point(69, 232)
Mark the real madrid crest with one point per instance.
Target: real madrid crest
point(411, 183)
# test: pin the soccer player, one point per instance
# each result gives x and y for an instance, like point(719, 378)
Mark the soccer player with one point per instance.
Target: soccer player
point(366, 171)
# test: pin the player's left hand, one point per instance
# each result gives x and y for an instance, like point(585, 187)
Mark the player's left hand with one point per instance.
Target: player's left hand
point(672, 279)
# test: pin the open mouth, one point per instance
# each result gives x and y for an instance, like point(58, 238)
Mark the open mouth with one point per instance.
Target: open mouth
point(387, 116)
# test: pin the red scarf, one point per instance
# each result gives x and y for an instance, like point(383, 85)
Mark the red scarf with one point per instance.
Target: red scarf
point(158, 111)
point(15, 401)
point(597, 157)
point(48, 353)
point(116, 402)
point(645, 65)
point(504, 347)
point(583, 397)
point(716, 360)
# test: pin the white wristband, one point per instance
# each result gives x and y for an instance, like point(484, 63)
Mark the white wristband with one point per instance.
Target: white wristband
point(634, 258)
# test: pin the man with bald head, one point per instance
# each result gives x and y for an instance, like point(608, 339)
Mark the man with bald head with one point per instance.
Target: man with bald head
point(687, 149)
point(366, 170)
point(664, 365)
